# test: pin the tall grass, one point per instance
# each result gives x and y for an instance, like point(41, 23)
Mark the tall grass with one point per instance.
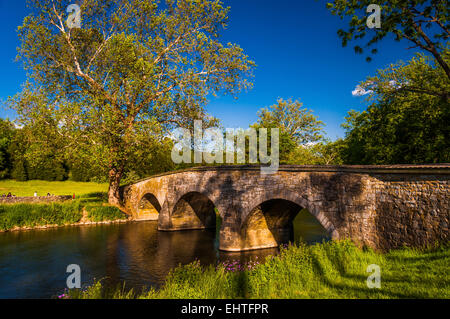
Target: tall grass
point(104, 213)
point(70, 212)
point(327, 270)
point(31, 215)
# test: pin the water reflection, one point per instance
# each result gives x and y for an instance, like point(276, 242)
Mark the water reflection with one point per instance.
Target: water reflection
point(33, 263)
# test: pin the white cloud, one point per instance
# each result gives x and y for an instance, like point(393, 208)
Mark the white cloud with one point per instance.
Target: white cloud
point(396, 85)
point(360, 91)
point(17, 126)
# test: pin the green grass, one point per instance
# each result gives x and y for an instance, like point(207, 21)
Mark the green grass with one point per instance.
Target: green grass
point(43, 187)
point(104, 213)
point(93, 196)
point(327, 270)
point(32, 215)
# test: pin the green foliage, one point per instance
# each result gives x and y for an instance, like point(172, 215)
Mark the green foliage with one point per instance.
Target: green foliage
point(104, 213)
point(151, 160)
point(33, 154)
point(424, 23)
point(134, 70)
point(86, 170)
point(327, 270)
point(19, 171)
point(299, 129)
point(48, 169)
point(31, 215)
point(407, 122)
point(17, 151)
point(130, 177)
point(6, 135)
point(322, 153)
point(296, 122)
point(97, 291)
point(196, 282)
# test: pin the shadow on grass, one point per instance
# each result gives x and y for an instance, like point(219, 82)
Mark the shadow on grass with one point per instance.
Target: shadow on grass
point(94, 198)
point(95, 195)
point(393, 284)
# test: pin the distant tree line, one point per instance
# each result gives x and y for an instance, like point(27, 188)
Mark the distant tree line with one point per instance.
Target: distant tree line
point(20, 160)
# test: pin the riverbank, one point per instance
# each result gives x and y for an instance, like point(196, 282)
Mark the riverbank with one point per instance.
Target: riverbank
point(90, 209)
point(327, 270)
point(85, 221)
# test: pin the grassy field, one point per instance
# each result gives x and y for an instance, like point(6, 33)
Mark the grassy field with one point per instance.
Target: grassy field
point(56, 188)
point(327, 270)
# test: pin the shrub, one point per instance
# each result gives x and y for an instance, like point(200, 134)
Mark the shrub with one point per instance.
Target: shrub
point(19, 171)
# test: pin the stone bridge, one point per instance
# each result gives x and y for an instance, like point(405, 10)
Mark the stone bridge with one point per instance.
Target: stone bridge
point(382, 207)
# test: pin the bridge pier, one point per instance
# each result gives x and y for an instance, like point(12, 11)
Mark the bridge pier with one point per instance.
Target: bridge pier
point(268, 225)
point(230, 236)
point(192, 211)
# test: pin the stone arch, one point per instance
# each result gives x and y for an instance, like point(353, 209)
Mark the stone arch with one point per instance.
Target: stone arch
point(269, 224)
point(193, 210)
point(280, 208)
point(148, 208)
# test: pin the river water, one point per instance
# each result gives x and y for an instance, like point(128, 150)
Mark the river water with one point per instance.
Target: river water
point(33, 263)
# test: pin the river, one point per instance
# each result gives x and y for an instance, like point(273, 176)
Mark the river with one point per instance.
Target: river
point(33, 263)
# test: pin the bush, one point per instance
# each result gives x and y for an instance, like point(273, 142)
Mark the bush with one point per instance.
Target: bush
point(19, 171)
point(48, 170)
point(82, 171)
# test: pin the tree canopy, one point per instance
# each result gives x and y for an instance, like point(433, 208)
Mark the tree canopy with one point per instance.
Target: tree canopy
point(135, 69)
point(424, 23)
point(292, 119)
point(402, 125)
point(299, 128)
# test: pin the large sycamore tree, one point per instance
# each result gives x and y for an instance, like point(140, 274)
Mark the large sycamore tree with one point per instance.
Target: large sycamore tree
point(134, 69)
point(298, 128)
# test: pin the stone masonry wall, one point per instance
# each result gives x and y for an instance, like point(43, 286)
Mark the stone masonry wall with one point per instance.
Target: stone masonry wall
point(411, 210)
point(34, 200)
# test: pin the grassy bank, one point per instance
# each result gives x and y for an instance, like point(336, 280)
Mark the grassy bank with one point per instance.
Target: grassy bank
point(328, 270)
point(24, 215)
point(43, 187)
point(33, 215)
point(103, 213)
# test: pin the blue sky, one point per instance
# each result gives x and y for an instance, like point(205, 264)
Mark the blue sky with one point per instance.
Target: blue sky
point(293, 42)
